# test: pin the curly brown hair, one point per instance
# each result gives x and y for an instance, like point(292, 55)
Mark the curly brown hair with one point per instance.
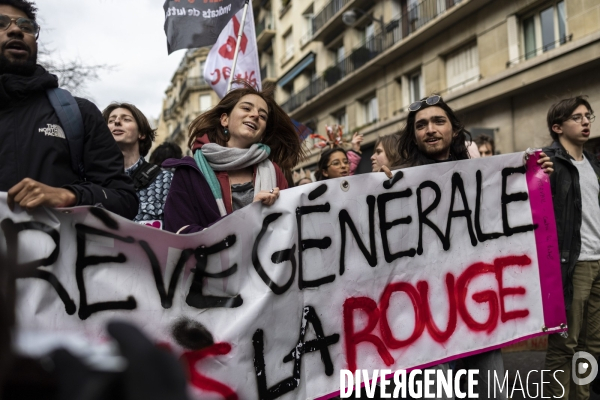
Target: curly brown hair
point(141, 121)
point(280, 134)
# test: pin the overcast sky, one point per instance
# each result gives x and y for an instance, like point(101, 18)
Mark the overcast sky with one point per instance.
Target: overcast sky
point(126, 34)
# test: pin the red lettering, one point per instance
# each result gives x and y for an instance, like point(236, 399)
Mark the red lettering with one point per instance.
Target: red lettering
point(488, 296)
point(419, 297)
point(201, 381)
point(218, 73)
point(352, 339)
point(437, 334)
point(386, 331)
point(500, 264)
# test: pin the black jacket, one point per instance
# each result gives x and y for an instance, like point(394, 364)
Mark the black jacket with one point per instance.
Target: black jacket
point(32, 145)
point(566, 196)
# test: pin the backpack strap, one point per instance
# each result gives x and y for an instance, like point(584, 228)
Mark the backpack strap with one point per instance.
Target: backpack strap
point(144, 175)
point(69, 116)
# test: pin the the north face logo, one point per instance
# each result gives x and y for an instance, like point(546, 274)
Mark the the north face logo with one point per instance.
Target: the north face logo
point(53, 130)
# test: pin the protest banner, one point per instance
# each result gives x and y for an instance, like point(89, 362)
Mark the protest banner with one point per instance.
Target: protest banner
point(190, 24)
point(364, 272)
point(219, 62)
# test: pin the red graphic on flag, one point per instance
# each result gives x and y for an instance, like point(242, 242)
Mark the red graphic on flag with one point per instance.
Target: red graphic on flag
point(228, 49)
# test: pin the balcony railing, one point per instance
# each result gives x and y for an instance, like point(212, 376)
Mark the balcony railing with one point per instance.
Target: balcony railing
point(394, 32)
point(168, 113)
point(327, 13)
point(175, 133)
point(195, 83)
point(265, 23)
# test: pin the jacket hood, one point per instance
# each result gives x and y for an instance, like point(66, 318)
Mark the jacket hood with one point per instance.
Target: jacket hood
point(179, 162)
point(18, 87)
point(200, 141)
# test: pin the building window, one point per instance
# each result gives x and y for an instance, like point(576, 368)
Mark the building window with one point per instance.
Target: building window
point(288, 46)
point(415, 82)
point(341, 118)
point(462, 67)
point(205, 102)
point(544, 30)
point(370, 110)
point(202, 64)
point(340, 54)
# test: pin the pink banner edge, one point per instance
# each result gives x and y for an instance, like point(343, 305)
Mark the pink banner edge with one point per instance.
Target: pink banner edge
point(542, 213)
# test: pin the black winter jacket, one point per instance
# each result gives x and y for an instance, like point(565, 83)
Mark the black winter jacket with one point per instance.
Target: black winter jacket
point(566, 195)
point(32, 145)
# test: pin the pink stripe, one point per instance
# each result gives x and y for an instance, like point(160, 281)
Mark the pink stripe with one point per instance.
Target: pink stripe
point(454, 357)
point(542, 210)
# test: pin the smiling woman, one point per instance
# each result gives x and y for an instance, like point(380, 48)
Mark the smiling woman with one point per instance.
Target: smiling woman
point(238, 146)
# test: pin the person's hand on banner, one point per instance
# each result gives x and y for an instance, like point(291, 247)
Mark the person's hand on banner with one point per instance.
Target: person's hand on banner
point(30, 194)
point(387, 171)
point(267, 197)
point(545, 163)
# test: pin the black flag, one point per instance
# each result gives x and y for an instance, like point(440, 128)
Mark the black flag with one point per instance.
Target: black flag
point(197, 23)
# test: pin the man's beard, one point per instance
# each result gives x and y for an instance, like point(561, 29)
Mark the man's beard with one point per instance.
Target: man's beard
point(18, 67)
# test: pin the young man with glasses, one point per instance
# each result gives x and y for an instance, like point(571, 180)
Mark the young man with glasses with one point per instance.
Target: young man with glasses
point(37, 168)
point(575, 192)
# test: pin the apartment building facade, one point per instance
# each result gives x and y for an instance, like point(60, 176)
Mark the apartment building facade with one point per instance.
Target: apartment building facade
point(187, 96)
point(359, 63)
point(499, 64)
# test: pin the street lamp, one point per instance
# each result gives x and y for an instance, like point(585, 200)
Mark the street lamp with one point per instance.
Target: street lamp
point(349, 17)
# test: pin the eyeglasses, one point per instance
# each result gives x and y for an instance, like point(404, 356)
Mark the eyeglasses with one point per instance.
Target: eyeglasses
point(337, 163)
point(578, 118)
point(25, 25)
point(430, 101)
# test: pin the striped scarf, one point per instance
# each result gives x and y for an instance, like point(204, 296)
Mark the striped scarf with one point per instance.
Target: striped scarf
point(211, 157)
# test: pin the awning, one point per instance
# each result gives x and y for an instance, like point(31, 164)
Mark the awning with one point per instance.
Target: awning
point(297, 69)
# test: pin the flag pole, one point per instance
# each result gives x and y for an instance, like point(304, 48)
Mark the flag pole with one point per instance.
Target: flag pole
point(237, 45)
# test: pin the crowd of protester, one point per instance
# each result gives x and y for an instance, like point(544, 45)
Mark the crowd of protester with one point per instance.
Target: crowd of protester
point(242, 151)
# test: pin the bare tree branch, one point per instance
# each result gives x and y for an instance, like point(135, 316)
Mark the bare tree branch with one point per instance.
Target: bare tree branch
point(73, 75)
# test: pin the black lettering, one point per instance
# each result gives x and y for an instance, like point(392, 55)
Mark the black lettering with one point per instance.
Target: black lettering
point(321, 343)
point(385, 226)
point(277, 258)
point(457, 183)
point(83, 261)
point(318, 192)
point(509, 198)
point(345, 220)
point(423, 215)
point(166, 298)
point(30, 269)
point(105, 217)
point(392, 181)
point(195, 297)
point(279, 389)
point(310, 244)
point(482, 237)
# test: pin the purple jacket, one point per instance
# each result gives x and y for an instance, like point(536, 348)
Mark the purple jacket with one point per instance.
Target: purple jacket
point(190, 200)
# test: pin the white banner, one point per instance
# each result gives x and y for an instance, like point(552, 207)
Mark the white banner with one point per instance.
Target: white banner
point(217, 68)
point(363, 272)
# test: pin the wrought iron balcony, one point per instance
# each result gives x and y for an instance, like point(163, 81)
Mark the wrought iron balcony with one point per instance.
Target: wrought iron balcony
point(327, 13)
point(394, 32)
